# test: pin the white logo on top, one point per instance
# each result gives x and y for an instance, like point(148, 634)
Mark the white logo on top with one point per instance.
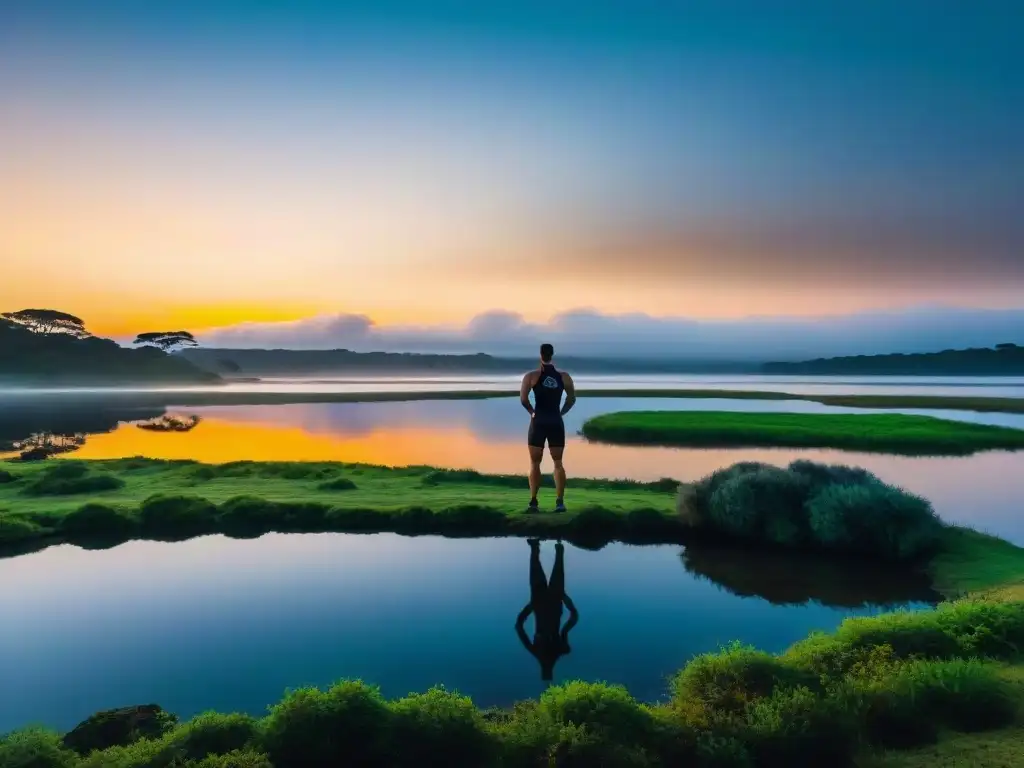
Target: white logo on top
point(550, 383)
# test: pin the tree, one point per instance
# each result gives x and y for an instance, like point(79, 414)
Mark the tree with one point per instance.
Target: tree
point(167, 340)
point(48, 321)
point(1006, 346)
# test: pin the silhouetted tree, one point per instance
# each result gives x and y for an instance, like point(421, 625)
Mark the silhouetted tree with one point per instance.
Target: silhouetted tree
point(48, 321)
point(167, 340)
point(42, 445)
point(1006, 346)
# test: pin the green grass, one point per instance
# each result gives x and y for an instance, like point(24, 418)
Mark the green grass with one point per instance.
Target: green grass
point(885, 691)
point(889, 432)
point(70, 500)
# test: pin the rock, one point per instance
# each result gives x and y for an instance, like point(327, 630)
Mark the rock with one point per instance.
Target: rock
point(119, 727)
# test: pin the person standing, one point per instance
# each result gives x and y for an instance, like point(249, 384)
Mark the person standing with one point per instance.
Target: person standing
point(546, 424)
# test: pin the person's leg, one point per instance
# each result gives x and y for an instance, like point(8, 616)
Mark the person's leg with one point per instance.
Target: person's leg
point(538, 581)
point(536, 454)
point(535, 441)
point(556, 457)
point(556, 584)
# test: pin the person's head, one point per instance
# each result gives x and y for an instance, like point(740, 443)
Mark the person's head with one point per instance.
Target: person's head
point(546, 353)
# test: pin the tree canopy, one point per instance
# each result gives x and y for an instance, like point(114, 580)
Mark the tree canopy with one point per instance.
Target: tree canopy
point(167, 340)
point(48, 321)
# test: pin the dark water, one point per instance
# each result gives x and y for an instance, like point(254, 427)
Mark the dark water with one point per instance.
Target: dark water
point(230, 624)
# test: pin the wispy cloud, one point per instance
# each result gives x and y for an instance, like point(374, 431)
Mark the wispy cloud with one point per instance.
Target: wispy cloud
point(589, 333)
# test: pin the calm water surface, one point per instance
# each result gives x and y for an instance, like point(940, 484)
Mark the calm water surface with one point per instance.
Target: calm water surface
point(985, 490)
point(230, 624)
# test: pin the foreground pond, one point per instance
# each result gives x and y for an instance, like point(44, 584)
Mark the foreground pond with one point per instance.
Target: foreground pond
point(983, 490)
point(230, 624)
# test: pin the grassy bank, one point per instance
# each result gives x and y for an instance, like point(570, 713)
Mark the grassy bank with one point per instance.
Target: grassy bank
point(201, 397)
point(92, 502)
point(874, 688)
point(885, 432)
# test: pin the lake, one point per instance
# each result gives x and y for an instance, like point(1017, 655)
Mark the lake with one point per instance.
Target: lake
point(229, 624)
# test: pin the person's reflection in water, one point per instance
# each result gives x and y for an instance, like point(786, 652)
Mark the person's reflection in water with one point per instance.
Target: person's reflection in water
point(550, 640)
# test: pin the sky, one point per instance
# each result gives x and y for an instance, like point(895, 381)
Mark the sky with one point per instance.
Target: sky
point(265, 171)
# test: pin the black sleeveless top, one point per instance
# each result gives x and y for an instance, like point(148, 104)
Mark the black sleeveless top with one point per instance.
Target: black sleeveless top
point(547, 394)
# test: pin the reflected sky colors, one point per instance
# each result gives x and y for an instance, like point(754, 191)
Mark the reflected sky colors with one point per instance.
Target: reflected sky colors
point(489, 435)
point(224, 624)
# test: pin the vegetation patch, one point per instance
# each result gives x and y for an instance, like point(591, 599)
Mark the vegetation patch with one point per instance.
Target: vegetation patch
point(893, 682)
point(68, 478)
point(886, 432)
point(813, 506)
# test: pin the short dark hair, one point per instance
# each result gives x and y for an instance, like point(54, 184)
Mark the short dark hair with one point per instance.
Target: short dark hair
point(546, 352)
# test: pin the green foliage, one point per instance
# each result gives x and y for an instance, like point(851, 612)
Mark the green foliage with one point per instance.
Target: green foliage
point(14, 529)
point(7, 477)
point(252, 513)
point(237, 759)
point(874, 519)
point(885, 432)
point(439, 728)
point(815, 506)
point(97, 520)
point(65, 478)
point(177, 515)
point(337, 484)
point(716, 688)
point(34, 748)
point(799, 727)
point(347, 724)
point(212, 733)
point(766, 503)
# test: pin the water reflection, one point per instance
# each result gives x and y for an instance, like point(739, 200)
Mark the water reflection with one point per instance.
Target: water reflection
point(787, 579)
point(547, 596)
point(488, 435)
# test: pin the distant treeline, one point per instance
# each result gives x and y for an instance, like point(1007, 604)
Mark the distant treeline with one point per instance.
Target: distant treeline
point(56, 356)
point(300, 362)
point(1002, 360)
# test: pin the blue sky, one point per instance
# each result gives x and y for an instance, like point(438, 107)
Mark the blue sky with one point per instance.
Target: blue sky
point(425, 163)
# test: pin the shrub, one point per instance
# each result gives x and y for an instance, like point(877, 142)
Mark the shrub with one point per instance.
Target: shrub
point(67, 478)
point(97, 520)
point(34, 748)
point(238, 759)
point(767, 502)
point(14, 529)
point(212, 733)
point(606, 710)
point(467, 517)
point(714, 688)
point(873, 518)
point(831, 474)
point(347, 724)
point(595, 523)
point(337, 484)
point(438, 728)
point(795, 727)
point(249, 512)
point(119, 727)
point(178, 515)
point(7, 477)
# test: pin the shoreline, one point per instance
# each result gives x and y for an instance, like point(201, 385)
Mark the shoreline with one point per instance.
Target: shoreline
point(917, 659)
point(198, 398)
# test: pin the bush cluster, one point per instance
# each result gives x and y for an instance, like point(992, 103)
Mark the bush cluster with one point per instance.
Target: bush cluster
point(810, 505)
point(66, 478)
point(890, 681)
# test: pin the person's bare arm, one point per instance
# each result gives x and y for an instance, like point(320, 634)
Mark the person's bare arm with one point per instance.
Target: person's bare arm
point(574, 616)
point(570, 393)
point(524, 393)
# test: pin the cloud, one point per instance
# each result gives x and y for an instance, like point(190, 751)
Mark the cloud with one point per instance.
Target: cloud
point(589, 333)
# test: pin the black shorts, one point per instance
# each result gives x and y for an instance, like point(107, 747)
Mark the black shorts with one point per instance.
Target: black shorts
point(553, 432)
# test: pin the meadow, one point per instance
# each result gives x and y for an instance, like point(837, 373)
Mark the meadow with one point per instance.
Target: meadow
point(880, 433)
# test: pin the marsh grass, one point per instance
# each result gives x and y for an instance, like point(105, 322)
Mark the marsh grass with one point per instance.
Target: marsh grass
point(883, 682)
point(885, 432)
